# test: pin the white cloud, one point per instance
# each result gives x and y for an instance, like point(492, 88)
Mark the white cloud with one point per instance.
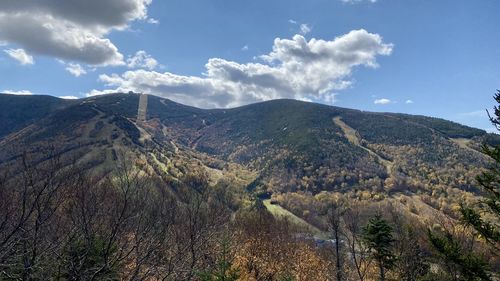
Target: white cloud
point(76, 69)
point(94, 93)
point(153, 21)
point(69, 30)
point(69, 97)
point(141, 59)
point(19, 93)
point(382, 101)
point(408, 101)
point(305, 28)
point(20, 55)
point(295, 68)
point(244, 48)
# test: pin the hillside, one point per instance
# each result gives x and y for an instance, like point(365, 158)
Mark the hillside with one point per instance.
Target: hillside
point(17, 112)
point(293, 144)
point(278, 148)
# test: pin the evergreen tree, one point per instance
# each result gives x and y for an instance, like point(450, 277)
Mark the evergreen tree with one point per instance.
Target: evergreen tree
point(462, 265)
point(224, 270)
point(84, 259)
point(489, 181)
point(377, 235)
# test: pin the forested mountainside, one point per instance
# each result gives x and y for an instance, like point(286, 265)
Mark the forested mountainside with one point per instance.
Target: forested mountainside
point(286, 157)
point(290, 145)
point(17, 112)
point(296, 145)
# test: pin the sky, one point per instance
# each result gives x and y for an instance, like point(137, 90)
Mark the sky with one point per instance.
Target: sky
point(435, 58)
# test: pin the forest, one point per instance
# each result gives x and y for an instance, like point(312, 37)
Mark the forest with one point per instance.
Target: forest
point(60, 224)
point(108, 203)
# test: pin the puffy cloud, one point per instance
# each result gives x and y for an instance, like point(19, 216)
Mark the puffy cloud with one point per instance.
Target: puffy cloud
point(295, 68)
point(245, 48)
point(20, 55)
point(45, 35)
point(72, 30)
point(141, 59)
point(97, 13)
point(382, 101)
point(76, 69)
point(408, 101)
point(69, 97)
point(19, 93)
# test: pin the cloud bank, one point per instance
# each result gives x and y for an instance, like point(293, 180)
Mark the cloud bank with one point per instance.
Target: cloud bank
point(295, 68)
point(71, 30)
point(19, 93)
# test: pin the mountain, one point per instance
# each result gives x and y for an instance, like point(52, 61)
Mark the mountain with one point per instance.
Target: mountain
point(277, 148)
point(17, 112)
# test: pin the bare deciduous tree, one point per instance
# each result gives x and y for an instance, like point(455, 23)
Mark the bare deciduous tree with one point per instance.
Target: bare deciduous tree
point(335, 214)
point(359, 253)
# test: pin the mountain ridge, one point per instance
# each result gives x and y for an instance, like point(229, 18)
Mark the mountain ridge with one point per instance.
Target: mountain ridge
point(292, 144)
point(292, 152)
point(8, 98)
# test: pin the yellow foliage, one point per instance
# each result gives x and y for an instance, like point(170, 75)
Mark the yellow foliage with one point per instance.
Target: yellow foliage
point(276, 259)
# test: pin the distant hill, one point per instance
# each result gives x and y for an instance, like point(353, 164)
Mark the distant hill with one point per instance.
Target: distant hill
point(17, 112)
point(271, 147)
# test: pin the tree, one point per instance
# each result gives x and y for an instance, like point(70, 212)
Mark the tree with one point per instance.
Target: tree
point(489, 181)
point(31, 198)
point(411, 262)
point(358, 251)
point(58, 222)
point(462, 265)
point(377, 235)
point(335, 213)
point(223, 270)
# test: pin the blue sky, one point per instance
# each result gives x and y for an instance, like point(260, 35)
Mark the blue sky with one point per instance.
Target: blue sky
point(436, 58)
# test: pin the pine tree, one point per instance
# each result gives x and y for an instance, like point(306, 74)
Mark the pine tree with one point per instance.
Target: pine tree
point(463, 265)
point(489, 181)
point(377, 235)
point(224, 270)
